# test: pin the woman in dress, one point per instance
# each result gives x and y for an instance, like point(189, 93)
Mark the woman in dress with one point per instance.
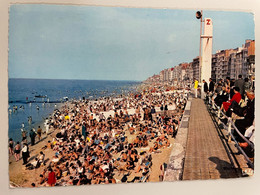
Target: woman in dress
point(236, 97)
point(51, 178)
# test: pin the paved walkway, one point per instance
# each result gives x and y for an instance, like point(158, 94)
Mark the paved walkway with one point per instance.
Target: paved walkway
point(206, 157)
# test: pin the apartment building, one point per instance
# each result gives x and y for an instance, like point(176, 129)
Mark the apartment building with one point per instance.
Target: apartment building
point(225, 63)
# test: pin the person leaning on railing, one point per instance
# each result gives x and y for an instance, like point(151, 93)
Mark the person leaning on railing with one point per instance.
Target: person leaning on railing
point(213, 93)
point(248, 113)
point(246, 141)
point(210, 91)
point(222, 96)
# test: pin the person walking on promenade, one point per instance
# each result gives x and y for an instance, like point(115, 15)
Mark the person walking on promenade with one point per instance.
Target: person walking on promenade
point(25, 153)
point(39, 132)
point(11, 146)
point(17, 150)
point(32, 136)
point(196, 83)
point(51, 178)
point(205, 89)
point(241, 84)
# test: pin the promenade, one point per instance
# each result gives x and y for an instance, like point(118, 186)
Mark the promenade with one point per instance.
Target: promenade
point(201, 150)
point(206, 156)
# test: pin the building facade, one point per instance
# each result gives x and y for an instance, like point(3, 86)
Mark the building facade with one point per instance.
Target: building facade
point(224, 63)
point(195, 68)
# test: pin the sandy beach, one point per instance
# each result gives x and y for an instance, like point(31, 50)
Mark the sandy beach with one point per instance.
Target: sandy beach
point(22, 177)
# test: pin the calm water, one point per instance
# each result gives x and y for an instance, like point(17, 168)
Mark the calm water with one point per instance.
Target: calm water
point(25, 90)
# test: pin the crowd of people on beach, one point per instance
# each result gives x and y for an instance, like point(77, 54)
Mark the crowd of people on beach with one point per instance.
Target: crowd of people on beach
point(113, 140)
point(236, 98)
point(110, 140)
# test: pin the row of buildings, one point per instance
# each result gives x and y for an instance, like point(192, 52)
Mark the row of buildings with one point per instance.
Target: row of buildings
point(225, 63)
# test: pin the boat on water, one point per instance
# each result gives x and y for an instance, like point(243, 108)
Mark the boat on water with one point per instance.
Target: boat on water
point(40, 96)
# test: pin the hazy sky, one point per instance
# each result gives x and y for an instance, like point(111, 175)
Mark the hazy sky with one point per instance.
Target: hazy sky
point(107, 43)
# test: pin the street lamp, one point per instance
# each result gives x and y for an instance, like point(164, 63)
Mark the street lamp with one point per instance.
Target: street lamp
point(199, 16)
point(205, 54)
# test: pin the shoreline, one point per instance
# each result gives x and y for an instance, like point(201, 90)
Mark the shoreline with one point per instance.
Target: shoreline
point(35, 125)
point(61, 104)
point(39, 144)
point(19, 176)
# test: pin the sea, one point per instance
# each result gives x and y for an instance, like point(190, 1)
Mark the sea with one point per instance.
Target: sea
point(38, 98)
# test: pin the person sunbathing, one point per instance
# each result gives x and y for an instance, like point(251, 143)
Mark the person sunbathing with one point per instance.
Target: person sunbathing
point(55, 159)
point(36, 163)
point(131, 130)
point(123, 157)
point(42, 179)
point(49, 145)
point(136, 142)
point(58, 172)
point(41, 158)
point(145, 142)
point(154, 148)
point(70, 181)
point(129, 165)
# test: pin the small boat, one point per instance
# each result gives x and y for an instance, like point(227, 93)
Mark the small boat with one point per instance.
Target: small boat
point(40, 96)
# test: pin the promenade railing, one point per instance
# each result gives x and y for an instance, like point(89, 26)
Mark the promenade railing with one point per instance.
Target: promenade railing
point(231, 126)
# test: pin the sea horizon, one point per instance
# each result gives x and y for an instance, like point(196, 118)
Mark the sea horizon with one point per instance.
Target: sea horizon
point(77, 79)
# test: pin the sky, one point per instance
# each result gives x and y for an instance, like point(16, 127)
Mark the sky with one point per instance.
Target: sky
point(112, 43)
